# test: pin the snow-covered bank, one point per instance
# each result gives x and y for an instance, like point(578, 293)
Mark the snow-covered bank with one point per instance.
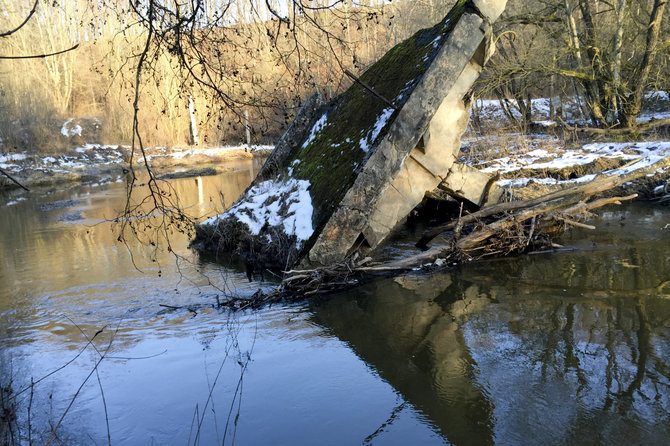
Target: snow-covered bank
point(263, 209)
point(540, 160)
point(269, 226)
point(96, 162)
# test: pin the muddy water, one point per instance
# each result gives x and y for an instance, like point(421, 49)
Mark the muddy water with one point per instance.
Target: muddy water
point(567, 348)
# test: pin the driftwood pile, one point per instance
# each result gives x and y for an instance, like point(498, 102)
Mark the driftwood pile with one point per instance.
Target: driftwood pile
point(497, 230)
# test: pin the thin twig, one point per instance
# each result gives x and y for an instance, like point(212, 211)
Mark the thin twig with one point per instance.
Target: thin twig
point(370, 89)
point(22, 24)
point(459, 226)
point(104, 404)
point(40, 56)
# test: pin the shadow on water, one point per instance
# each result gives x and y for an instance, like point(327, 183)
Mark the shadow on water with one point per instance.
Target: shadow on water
point(559, 348)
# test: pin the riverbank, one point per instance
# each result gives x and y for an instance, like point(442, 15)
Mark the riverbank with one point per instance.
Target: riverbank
point(532, 165)
point(97, 163)
point(528, 165)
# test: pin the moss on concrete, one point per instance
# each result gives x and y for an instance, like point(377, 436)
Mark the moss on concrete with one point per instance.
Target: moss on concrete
point(334, 157)
point(331, 155)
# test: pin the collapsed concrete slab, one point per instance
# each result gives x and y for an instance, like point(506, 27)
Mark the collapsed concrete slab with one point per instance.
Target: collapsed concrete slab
point(343, 182)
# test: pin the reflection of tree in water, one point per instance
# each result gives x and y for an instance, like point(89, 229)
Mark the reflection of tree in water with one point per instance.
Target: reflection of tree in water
point(580, 340)
point(557, 349)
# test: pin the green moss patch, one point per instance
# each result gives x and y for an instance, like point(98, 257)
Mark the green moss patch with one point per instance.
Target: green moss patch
point(331, 158)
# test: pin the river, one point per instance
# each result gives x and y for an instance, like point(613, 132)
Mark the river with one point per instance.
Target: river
point(125, 344)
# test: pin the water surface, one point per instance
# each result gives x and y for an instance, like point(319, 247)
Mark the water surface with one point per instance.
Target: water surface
point(550, 348)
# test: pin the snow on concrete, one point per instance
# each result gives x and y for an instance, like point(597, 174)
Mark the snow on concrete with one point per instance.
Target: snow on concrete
point(276, 203)
point(293, 164)
point(371, 135)
point(316, 128)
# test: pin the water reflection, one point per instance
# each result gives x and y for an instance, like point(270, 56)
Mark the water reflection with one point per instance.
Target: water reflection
point(416, 345)
point(562, 348)
point(59, 254)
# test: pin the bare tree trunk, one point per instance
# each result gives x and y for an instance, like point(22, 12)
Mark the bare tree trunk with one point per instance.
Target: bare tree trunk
point(634, 102)
point(616, 64)
point(576, 52)
point(552, 93)
point(194, 140)
point(596, 87)
point(574, 36)
point(247, 127)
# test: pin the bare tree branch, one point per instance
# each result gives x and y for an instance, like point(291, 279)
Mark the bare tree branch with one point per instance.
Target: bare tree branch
point(40, 56)
point(30, 14)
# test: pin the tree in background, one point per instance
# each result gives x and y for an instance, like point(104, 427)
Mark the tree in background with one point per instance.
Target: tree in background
point(605, 54)
point(233, 57)
point(32, 53)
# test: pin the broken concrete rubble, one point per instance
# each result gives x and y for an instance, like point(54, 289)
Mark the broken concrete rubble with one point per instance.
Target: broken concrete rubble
point(367, 162)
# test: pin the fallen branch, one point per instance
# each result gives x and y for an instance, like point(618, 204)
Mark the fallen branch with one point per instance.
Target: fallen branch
point(370, 89)
point(577, 224)
point(573, 194)
point(475, 238)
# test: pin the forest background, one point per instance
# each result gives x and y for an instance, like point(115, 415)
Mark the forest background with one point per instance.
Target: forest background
point(241, 68)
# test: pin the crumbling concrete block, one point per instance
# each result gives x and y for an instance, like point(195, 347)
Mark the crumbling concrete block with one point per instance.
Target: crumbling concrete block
point(368, 157)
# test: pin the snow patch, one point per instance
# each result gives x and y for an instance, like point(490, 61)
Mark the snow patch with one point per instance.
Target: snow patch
point(381, 122)
point(18, 200)
point(658, 95)
point(285, 204)
point(69, 130)
point(13, 157)
point(589, 153)
point(642, 154)
point(316, 128)
point(662, 151)
point(7, 162)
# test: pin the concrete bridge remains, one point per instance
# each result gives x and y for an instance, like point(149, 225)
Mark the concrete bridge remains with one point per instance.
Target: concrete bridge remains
point(347, 172)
